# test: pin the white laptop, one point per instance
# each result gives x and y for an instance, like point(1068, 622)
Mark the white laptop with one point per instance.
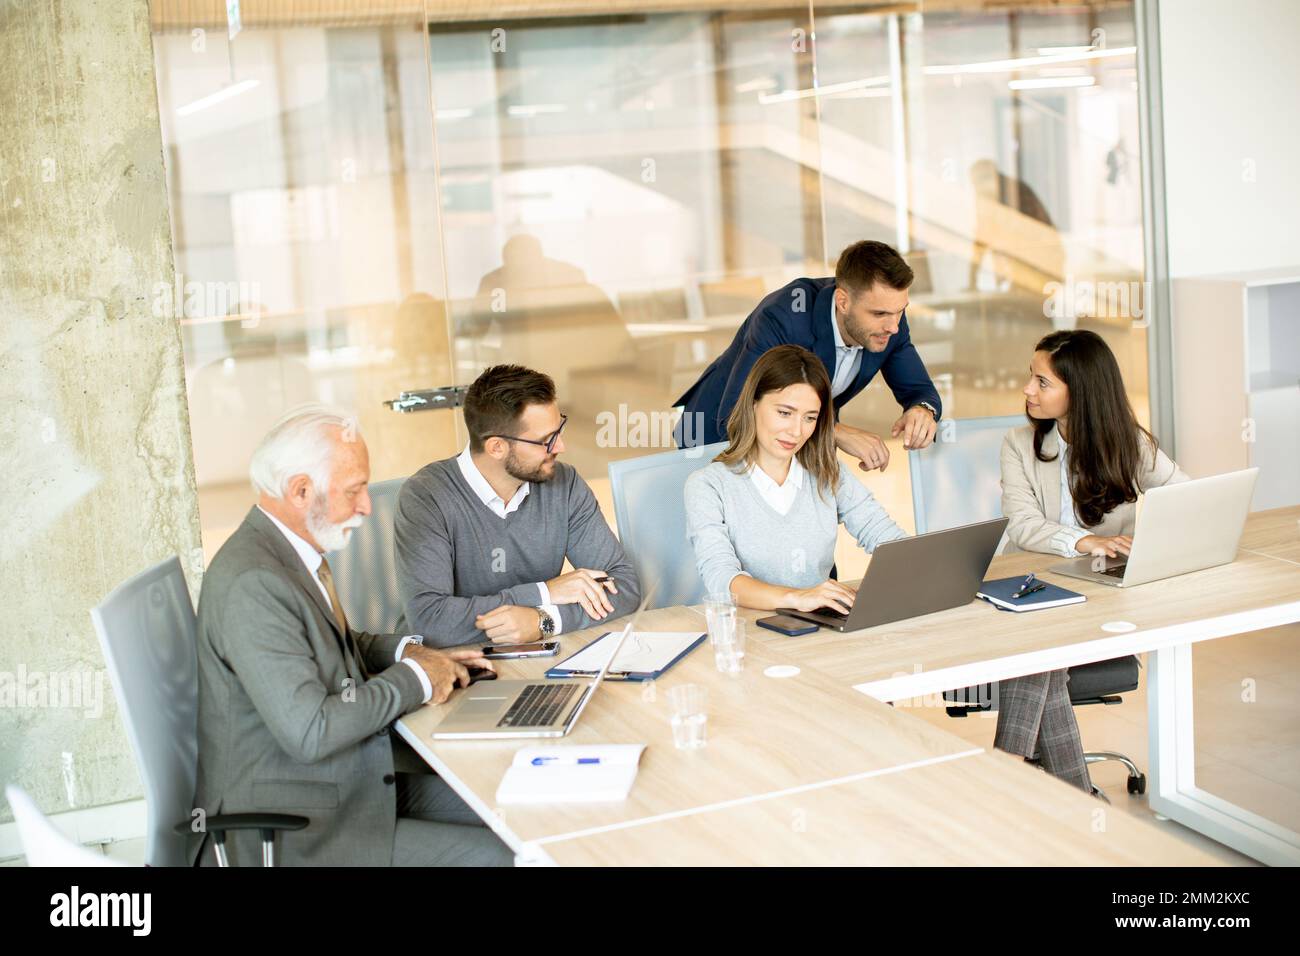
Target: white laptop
point(1180, 528)
point(526, 708)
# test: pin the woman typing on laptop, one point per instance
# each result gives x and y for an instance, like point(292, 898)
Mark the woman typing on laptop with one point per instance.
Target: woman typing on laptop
point(763, 516)
point(1071, 477)
point(1070, 483)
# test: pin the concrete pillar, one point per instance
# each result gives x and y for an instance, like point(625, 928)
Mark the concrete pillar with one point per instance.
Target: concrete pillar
point(97, 480)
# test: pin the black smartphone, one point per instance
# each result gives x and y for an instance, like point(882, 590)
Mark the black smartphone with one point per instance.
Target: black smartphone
point(505, 652)
point(477, 674)
point(789, 626)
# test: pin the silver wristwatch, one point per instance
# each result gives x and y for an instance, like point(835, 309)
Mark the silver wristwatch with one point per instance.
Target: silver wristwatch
point(929, 408)
point(545, 623)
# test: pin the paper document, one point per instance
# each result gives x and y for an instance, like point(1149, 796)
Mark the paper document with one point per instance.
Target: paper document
point(570, 774)
point(644, 652)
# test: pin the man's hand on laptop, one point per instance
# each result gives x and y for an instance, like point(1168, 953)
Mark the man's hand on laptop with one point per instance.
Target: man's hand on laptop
point(1109, 546)
point(831, 594)
point(869, 448)
point(445, 669)
point(511, 624)
point(586, 587)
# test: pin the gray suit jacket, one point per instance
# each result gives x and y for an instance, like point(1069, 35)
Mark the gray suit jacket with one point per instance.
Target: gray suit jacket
point(1031, 491)
point(287, 720)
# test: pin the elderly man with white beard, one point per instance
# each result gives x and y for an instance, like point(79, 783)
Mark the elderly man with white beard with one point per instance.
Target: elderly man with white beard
point(295, 705)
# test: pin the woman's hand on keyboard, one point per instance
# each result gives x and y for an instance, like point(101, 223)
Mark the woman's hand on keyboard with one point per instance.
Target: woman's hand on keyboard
point(1111, 547)
point(831, 594)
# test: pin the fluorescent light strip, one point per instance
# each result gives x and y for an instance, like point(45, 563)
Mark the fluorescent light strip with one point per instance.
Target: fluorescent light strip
point(535, 108)
point(1052, 82)
point(1005, 66)
point(203, 102)
point(452, 114)
point(832, 88)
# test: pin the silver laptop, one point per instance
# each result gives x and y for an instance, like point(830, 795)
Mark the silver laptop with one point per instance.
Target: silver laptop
point(915, 576)
point(526, 708)
point(1180, 528)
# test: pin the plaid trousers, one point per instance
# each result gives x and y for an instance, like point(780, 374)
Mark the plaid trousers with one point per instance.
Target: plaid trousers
point(1035, 718)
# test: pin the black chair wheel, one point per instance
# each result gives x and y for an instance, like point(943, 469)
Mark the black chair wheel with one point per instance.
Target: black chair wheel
point(1137, 784)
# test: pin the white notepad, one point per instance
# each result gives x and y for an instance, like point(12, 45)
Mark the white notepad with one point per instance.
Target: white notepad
point(554, 774)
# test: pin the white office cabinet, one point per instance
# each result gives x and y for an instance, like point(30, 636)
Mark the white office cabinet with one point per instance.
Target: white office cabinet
point(1236, 341)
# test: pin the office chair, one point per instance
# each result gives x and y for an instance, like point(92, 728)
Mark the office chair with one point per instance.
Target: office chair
point(43, 844)
point(365, 572)
point(146, 629)
point(958, 482)
point(651, 517)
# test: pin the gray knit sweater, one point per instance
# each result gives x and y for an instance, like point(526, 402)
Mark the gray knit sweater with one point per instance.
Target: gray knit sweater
point(456, 559)
point(733, 530)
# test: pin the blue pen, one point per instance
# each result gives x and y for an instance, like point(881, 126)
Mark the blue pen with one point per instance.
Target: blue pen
point(542, 761)
point(1026, 588)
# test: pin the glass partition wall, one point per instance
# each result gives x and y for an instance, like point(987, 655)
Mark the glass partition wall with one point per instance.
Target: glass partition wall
point(382, 196)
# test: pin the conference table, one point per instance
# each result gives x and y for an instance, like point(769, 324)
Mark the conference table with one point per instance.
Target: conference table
point(818, 768)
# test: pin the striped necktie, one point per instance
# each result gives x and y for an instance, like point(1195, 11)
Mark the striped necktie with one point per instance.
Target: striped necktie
point(327, 578)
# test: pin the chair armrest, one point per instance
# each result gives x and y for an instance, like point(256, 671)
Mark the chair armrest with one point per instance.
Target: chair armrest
point(246, 821)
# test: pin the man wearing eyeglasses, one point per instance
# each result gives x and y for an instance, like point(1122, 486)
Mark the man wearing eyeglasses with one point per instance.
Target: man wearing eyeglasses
point(481, 539)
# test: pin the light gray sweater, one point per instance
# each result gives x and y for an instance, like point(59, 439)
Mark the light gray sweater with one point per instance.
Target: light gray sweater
point(734, 531)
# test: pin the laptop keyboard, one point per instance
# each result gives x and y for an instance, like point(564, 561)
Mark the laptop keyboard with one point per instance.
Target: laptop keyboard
point(1115, 572)
point(538, 706)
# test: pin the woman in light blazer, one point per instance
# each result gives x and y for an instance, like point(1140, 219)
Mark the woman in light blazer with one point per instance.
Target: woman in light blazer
point(1070, 484)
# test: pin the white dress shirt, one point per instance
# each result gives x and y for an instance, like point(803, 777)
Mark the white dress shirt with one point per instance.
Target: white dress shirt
point(474, 478)
point(312, 559)
point(780, 497)
point(848, 359)
point(1071, 533)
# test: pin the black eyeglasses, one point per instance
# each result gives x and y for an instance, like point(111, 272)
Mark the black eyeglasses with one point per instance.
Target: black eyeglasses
point(548, 442)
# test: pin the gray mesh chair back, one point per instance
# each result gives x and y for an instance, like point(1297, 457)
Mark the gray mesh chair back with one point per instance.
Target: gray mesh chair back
point(651, 517)
point(365, 572)
point(958, 481)
point(146, 629)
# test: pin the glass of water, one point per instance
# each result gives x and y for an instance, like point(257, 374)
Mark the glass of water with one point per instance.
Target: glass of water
point(720, 614)
point(729, 654)
point(690, 706)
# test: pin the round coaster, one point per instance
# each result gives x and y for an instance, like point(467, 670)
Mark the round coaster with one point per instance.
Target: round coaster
point(781, 670)
point(1118, 627)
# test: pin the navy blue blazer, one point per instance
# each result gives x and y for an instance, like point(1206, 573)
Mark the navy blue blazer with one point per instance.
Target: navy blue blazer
point(798, 314)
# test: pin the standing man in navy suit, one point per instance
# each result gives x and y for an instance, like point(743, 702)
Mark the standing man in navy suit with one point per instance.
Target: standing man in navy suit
point(856, 323)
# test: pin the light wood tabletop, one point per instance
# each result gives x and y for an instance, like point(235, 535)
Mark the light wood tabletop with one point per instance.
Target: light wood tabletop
point(804, 769)
point(989, 810)
point(976, 642)
point(1275, 533)
point(764, 734)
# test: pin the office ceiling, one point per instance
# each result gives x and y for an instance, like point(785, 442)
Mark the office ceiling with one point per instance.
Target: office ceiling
point(178, 15)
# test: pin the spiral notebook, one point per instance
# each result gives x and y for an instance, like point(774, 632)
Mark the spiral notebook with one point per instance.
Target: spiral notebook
point(998, 593)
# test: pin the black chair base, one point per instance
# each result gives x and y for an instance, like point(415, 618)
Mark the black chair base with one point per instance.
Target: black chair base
point(1098, 683)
